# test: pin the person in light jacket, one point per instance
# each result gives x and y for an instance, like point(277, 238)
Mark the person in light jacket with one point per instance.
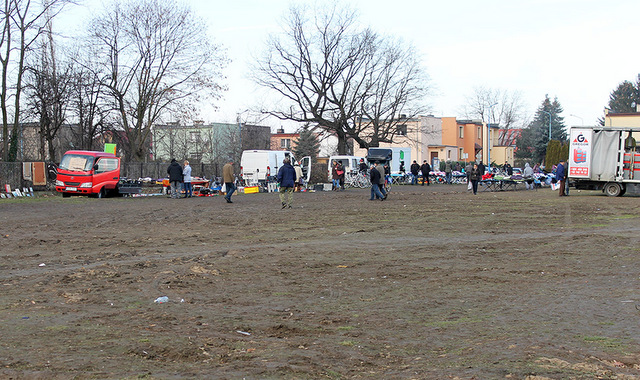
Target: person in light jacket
point(527, 175)
point(299, 177)
point(286, 178)
point(229, 179)
point(186, 179)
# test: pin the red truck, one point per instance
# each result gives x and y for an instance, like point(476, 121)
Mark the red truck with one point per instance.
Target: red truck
point(83, 172)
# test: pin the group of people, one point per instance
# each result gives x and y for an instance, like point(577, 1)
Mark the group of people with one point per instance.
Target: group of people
point(415, 170)
point(180, 176)
point(289, 177)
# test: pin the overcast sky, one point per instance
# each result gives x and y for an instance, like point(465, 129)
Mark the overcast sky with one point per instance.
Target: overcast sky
point(575, 50)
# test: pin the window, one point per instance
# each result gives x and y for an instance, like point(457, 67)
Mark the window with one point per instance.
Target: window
point(76, 163)
point(285, 143)
point(106, 165)
point(461, 131)
point(402, 130)
point(194, 136)
point(479, 133)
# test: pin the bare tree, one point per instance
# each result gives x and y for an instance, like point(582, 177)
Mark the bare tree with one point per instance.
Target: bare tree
point(23, 23)
point(396, 88)
point(336, 75)
point(89, 108)
point(49, 90)
point(157, 60)
point(496, 106)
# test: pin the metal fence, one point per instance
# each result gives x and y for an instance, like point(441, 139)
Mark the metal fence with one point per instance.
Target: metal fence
point(11, 172)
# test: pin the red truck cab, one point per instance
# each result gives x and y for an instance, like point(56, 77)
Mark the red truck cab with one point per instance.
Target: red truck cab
point(83, 172)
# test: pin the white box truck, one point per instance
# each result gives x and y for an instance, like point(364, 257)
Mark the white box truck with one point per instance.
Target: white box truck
point(261, 166)
point(605, 158)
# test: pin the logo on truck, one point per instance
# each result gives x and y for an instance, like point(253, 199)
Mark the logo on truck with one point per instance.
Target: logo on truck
point(579, 156)
point(580, 139)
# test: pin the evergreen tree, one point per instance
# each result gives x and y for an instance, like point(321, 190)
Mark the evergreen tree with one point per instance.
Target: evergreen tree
point(307, 144)
point(626, 97)
point(524, 145)
point(547, 120)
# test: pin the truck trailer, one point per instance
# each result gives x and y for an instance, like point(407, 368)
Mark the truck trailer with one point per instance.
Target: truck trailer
point(605, 158)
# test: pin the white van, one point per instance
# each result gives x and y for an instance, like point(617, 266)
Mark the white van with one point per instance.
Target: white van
point(259, 166)
point(350, 163)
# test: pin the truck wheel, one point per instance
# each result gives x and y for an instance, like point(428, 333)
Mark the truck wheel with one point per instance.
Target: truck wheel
point(102, 193)
point(613, 189)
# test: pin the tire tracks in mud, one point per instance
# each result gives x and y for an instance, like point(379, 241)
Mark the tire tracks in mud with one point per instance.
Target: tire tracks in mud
point(349, 240)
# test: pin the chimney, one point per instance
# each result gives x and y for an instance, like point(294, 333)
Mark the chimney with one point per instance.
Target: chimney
point(280, 130)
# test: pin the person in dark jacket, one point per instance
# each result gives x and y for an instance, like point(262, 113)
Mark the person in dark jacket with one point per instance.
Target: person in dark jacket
point(415, 168)
point(286, 178)
point(425, 169)
point(474, 177)
point(362, 167)
point(375, 184)
point(382, 180)
point(561, 177)
point(175, 177)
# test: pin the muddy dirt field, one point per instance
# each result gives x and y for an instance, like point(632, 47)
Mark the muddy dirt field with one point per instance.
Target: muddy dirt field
point(433, 283)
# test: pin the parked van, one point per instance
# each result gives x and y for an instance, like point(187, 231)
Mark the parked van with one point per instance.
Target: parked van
point(259, 166)
point(349, 163)
point(83, 172)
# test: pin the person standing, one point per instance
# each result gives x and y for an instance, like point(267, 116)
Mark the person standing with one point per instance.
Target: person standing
point(474, 177)
point(374, 175)
point(335, 176)
point(415, 169)
point(299, 176)
point(382, 179)
point(341, 173)
point(175, 177)
point(425, 169)
point(527, 174)
point(186, 178)
point(447, 172)
point(286, 178)
point(229, 179)
point(467, 172)
point(481, 168)
point(362, 167)
point(561, 177)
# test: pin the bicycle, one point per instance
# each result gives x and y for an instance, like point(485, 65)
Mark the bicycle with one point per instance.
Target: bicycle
point(358, 180)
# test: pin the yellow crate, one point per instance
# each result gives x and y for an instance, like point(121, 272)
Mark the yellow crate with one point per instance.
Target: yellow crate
point(251, 189)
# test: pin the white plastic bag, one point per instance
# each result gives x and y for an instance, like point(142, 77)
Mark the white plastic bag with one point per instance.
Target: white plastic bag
point(469, 186)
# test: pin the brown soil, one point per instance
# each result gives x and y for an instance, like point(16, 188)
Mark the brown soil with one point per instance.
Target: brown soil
point(433, 283)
